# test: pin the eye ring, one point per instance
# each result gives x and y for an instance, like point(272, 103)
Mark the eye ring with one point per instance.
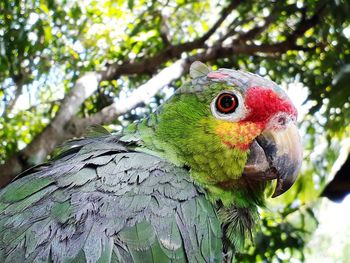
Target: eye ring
point(226, 103)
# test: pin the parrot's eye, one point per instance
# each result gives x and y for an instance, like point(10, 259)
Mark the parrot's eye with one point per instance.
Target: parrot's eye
point(226, 103)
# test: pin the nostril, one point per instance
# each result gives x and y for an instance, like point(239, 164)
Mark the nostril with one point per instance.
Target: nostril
point(279, 121)
point(282, 120)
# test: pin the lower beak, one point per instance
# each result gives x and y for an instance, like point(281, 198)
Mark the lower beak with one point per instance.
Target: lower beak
point(276, 154)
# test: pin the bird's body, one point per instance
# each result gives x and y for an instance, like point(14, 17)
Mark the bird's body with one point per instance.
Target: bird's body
point(167, 189)
point(105, 202)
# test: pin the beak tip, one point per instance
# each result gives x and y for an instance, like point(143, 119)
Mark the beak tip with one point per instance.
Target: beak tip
point(279, 189)
point(284, 183)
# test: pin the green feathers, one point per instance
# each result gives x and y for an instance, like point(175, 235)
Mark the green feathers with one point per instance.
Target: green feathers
point(183, 131)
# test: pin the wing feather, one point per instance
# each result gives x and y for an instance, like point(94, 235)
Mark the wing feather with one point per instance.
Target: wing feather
point(104, 203)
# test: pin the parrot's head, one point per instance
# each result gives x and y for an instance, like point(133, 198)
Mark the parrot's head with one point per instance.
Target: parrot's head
point(232, 128)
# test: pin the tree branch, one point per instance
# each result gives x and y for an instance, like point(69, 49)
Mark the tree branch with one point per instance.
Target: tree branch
point(164, 29)
point(19, 81)
point(256, 31)
point(142, 94)
point(83, 89)
point(65, 126)
point(53, 134)
point(307, 23)
point(225, 12)
point(170, 52)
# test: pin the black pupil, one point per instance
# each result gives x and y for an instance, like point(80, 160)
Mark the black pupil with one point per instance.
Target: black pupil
point(227, 101)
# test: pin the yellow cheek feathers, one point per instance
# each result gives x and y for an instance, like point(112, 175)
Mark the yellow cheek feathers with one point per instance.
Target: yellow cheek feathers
point(237, 135)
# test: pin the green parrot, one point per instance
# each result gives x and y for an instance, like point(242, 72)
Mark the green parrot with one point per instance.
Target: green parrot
point(183, 185)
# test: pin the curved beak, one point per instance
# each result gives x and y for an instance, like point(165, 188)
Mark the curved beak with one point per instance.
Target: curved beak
point(276, 154)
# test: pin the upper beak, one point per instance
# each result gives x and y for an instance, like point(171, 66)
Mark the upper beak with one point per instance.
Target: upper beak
point(276, 154)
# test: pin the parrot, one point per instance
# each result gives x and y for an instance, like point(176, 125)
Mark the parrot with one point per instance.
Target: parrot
point(184, 184)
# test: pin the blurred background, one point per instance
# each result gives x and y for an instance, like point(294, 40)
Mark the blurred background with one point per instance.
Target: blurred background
point(66, 65)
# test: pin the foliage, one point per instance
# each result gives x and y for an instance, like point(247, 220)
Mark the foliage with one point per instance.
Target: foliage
point(46, 45)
